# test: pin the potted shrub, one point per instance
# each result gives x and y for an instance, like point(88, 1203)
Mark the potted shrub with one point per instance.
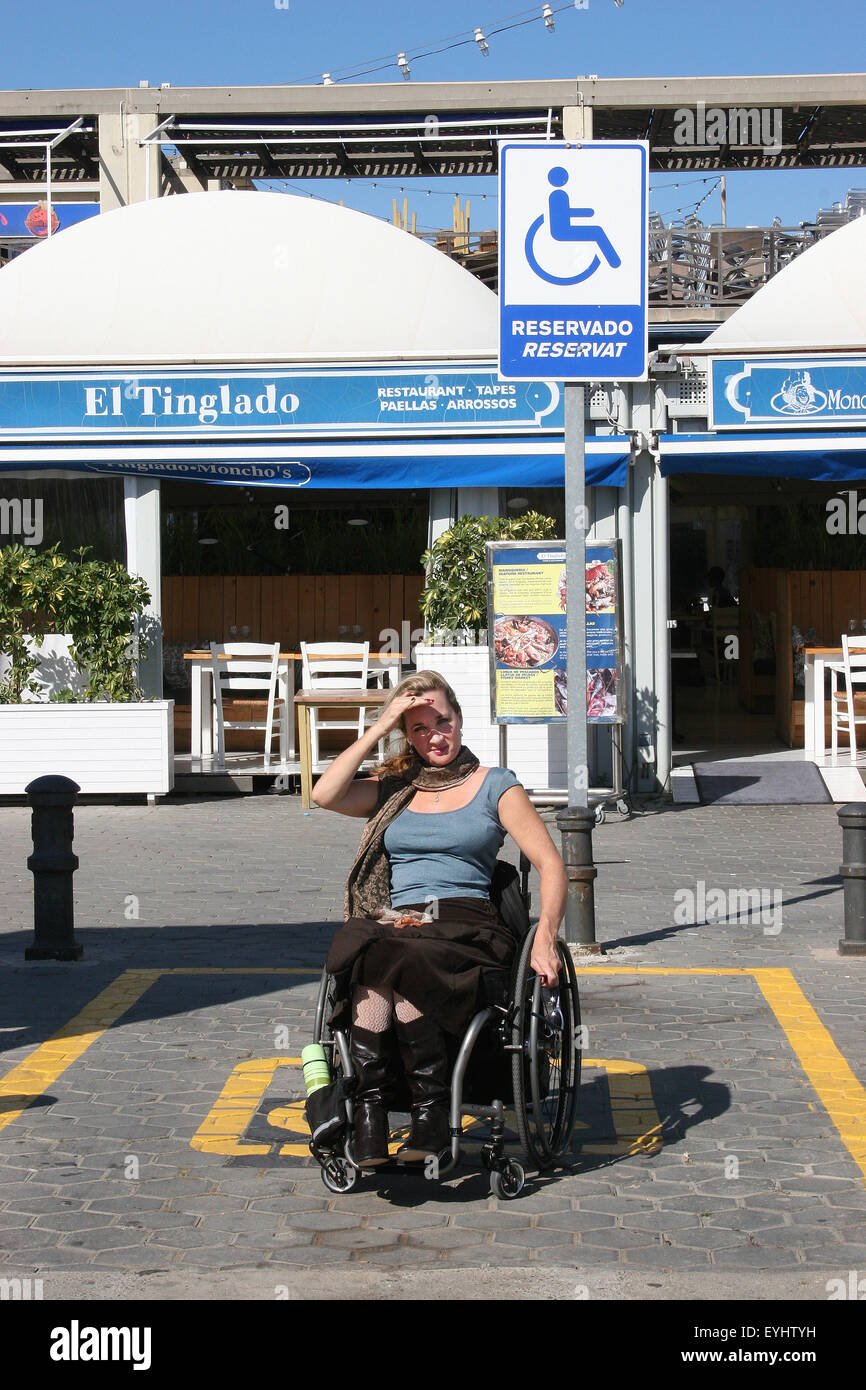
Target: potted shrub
point(454, 604)
point(70, 632)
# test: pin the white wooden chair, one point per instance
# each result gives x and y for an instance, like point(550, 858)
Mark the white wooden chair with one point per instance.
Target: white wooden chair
point(848, 708)
point(242, 670)
point(336, 666)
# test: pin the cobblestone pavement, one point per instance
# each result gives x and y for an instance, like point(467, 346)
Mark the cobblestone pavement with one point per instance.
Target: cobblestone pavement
point(721, 1129)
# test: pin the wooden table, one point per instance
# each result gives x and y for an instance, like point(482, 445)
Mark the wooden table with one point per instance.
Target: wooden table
point(201, 719)
point(818, 660)
point(305, 700)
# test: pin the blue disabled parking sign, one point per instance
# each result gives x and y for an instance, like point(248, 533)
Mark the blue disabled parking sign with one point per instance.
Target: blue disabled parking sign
point(573, 260)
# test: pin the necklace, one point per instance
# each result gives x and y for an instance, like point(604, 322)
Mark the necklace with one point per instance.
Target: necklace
point(458, 781)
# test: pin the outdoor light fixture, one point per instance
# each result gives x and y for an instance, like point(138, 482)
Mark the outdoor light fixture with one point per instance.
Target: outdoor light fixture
point(403, 65)
point(208, 540)
point(327, 80)
point(357, 521)
point(664, 363)
point(482, 42)
point(547, 16)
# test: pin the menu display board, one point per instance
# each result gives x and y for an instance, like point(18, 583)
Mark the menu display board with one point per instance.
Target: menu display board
point(526, 606)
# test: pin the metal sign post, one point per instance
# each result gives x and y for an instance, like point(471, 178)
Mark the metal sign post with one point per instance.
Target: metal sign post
point(573, 305)
point(576, 821)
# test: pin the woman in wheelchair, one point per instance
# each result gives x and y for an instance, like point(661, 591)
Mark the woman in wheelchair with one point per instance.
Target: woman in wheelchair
point(420, 935)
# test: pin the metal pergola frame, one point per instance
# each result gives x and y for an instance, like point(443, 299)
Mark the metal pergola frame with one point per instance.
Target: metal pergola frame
point(19, 141)
point(341, 137)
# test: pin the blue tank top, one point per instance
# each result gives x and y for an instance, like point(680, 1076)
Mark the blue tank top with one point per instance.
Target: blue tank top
point(448, 854)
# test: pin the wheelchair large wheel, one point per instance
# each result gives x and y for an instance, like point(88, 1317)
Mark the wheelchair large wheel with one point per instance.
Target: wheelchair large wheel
point(546, 1057)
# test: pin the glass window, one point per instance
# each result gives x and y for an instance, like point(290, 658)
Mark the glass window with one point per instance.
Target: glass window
point(209, 529)
point(550, 501)
point(74, 511)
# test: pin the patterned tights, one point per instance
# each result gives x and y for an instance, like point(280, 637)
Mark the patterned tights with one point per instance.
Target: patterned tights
point(374, 1009)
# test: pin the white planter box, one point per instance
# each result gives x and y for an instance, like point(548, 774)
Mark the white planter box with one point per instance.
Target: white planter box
point(55, 670)
point(467, 671)
point(536, 753)
point(104, 747)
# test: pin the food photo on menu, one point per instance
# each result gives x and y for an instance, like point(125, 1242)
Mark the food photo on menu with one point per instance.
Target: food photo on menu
point(601, 694)
point(524, 641)
point(600, 586)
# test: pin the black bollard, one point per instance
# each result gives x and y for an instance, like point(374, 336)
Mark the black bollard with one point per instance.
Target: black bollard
point(52, 864)
point(852, 819)
point(575, 824)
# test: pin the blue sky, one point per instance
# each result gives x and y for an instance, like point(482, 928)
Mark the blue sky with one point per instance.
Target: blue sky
point(98, 43)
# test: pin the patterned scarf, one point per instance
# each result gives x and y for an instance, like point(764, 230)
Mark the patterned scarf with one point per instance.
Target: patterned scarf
point(368, 887)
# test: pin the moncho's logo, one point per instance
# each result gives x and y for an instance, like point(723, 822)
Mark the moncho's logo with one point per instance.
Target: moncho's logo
point(798, 396)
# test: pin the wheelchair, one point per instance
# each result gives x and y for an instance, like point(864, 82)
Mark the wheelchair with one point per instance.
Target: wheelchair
point(523, 1047)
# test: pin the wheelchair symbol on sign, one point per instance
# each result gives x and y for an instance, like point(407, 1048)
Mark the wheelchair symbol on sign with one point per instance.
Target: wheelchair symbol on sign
point(563, 227)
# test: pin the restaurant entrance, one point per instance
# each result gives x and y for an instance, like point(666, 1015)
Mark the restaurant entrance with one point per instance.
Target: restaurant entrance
point(758, 572)
point(259, 564)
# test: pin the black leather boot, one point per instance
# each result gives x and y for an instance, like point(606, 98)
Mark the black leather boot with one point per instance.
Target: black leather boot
point(425, 1064)
point(370, 1058)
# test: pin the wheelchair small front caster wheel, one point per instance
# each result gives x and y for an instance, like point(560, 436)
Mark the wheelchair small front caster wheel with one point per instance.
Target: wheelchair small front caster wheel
point(338, 1175)
point(600, 815)
point(623, 807)
point(509, 1181)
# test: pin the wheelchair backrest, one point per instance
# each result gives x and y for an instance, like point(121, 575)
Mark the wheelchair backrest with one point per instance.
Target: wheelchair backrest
point(510, 896)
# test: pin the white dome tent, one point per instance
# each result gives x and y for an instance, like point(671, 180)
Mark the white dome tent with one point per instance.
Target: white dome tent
point(240, 277)
point(816, 304)
point(107, 324)
point(787, 386)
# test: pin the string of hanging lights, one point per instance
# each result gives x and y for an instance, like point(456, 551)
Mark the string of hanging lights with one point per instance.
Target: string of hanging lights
point(546, 13)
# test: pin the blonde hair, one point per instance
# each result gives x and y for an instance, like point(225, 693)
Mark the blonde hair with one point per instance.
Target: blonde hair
point(420, 683)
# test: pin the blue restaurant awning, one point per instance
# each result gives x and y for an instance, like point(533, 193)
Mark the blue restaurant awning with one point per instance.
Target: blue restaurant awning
point(503, 461)
point(825, 457)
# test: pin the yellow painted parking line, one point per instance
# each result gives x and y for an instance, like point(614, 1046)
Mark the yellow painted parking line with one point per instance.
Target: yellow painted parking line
point(240, 970)
point(222, 1130)
point(840, 1092)
point(31, 1078)
point(636, 1121)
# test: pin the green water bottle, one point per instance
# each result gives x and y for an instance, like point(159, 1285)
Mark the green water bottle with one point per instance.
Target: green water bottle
point(315, 1063)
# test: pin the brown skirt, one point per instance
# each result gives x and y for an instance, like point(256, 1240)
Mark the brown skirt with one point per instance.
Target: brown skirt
point(449, 968)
